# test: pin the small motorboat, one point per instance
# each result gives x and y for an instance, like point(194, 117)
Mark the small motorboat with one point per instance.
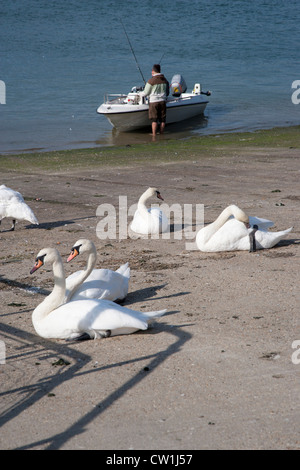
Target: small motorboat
point(130, 112)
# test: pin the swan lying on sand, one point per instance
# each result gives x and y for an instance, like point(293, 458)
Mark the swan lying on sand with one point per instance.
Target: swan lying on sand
point(95, 283)
point(149, 221)
point(81, 319)
point(239, 232)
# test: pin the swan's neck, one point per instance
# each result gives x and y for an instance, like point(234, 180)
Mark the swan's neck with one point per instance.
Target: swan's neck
point(142, 208)
point(220, 221)
point(84, 274)
point(212, 228)
point(55, 299)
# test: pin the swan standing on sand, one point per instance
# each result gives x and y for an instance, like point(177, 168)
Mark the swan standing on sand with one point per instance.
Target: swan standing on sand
point(238, 233)
point(81, 319)
point(149, 221)
point(13, 206)
point(95, 283)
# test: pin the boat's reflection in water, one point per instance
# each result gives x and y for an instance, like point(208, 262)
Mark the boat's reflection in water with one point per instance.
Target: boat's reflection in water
point(178, 130)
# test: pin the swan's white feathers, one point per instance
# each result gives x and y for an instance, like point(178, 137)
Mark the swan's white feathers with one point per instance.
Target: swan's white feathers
point(52, 319)
point(100, 284)
point(155, 223)
point(96, 283)
point(149, 220)
point(261, 223)
point(13, 206)
point(93, 317)
point(228, 233)
point(265, 239)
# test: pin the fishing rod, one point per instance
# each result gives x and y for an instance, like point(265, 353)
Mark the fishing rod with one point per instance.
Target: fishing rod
point(132, 51)
point(161, 58)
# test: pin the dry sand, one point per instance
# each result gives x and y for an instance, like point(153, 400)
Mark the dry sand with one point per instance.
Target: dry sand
point(215, 373)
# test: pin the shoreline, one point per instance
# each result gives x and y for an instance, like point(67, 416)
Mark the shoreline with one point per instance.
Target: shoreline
point(163, 149)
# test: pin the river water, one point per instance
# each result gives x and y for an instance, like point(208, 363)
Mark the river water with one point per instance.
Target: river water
point(57, 59)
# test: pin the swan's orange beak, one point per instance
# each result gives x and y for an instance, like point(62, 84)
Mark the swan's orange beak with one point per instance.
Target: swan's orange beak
point(73, 254)
point(159, 196)
point(37, 265)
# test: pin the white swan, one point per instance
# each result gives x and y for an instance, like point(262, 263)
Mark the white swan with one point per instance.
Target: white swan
point(82, 318)
point(13, 206)
point(238, 233)
point(95, 283)
point(149, 221)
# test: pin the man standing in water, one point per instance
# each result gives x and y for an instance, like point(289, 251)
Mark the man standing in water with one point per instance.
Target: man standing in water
point(157, 88)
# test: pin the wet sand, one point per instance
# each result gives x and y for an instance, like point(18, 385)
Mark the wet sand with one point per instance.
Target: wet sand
point(216, 372)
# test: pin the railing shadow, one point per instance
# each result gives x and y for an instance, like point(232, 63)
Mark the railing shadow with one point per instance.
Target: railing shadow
point(27, 348)
point(23, 286)
point(32, 393)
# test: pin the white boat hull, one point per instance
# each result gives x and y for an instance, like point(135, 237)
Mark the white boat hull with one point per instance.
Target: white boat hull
point(127, 116)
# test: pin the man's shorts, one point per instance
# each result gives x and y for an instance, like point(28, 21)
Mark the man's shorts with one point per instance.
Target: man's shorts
point(157, 111)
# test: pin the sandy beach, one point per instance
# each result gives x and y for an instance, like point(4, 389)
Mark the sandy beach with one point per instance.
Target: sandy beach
point(217, 371)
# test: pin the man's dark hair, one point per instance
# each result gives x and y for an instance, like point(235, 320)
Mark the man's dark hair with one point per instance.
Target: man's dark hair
point(156, 68)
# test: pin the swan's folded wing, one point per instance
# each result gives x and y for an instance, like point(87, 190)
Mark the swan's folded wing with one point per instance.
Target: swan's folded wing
point(9, 195)
point(124, 270)
point(102, 284)
point(263, 224)
point(139, 224)
point(106, 315)
point(20, 211)
point(265, 239)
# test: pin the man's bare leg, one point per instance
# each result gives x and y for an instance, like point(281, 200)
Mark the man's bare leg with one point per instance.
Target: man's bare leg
point(154, 128)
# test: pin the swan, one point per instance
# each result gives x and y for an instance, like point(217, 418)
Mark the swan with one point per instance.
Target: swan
point(149, 221)
point(13, 206)
point(234, 230)
point(81, 319)
point(95, 283)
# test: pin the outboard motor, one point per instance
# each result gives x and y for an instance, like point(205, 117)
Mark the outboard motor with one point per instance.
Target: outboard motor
point(178, 85)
